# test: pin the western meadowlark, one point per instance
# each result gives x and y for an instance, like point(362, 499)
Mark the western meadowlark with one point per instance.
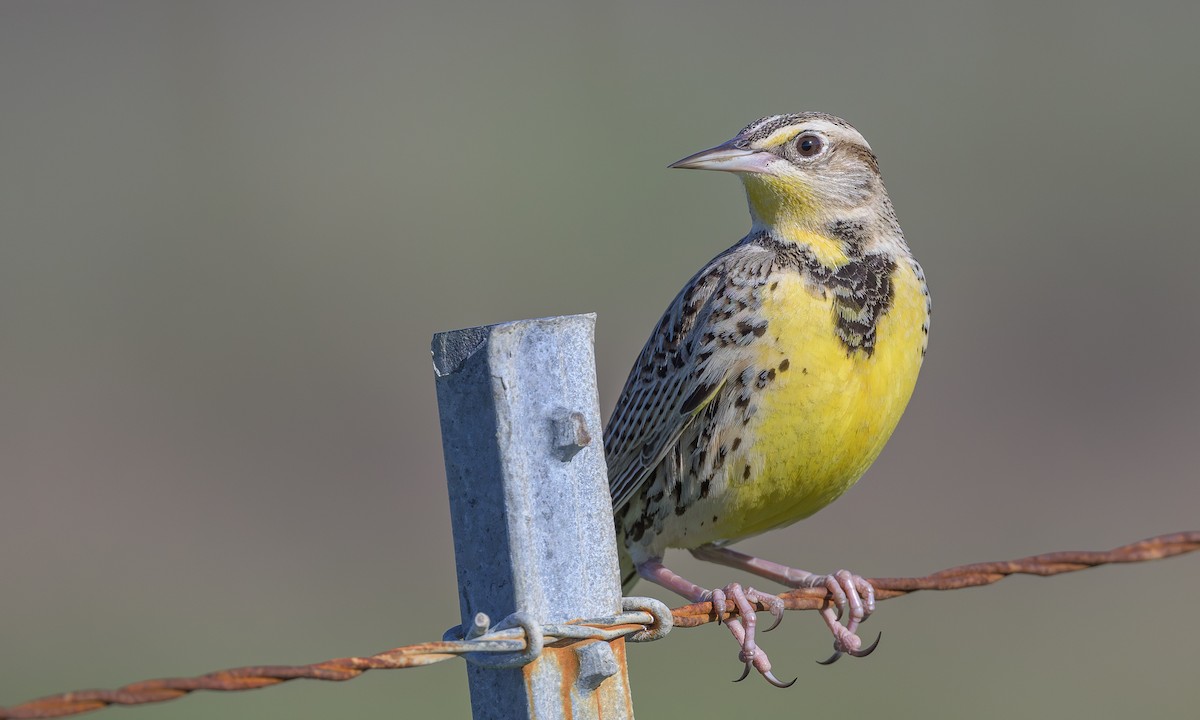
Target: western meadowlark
point(776, 375)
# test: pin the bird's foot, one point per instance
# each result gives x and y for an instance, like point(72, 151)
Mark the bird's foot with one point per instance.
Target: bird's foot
point(744, 625)
point(854, 599)
point(853, 596)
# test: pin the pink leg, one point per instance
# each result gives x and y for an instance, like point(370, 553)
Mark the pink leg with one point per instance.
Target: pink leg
point(742, 626)
point(851, 593)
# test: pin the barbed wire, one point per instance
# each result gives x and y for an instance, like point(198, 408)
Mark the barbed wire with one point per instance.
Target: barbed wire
point(973, 575)
point(518, 639)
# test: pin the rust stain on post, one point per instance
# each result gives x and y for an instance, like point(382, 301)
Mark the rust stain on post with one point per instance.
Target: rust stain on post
point(609, 700)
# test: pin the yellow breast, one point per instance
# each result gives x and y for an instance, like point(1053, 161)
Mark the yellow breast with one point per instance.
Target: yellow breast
point(828, 411)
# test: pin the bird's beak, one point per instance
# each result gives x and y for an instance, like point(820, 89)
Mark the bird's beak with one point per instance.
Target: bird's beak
point(727, 158)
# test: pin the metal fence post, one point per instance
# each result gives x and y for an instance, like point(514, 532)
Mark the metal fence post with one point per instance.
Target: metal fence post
point(533, 528)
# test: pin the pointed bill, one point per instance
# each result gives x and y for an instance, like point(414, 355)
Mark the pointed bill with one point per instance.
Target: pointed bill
point(726, 157)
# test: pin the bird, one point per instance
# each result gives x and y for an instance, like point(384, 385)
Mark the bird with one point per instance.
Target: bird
point(775, 376)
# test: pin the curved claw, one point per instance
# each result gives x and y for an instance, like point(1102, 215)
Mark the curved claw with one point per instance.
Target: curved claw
point(854, 653)
point(745, 673)
point(834, 657)
point(868, 650)
point(778, 619)
point(776, 681)
point(717, 600)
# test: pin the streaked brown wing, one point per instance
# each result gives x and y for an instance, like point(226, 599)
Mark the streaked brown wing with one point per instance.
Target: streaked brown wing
point(682, 367)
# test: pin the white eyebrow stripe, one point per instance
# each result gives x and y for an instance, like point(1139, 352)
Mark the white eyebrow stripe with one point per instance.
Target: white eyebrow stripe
point(788, 132)
point(775, 130)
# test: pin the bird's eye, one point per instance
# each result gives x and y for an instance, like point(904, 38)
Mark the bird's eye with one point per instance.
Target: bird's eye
point(809, 145)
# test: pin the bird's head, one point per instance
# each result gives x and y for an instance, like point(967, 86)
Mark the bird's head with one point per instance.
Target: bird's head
point(800, 171)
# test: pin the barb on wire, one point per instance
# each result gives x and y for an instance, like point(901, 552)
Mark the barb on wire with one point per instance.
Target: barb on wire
point(643, 619)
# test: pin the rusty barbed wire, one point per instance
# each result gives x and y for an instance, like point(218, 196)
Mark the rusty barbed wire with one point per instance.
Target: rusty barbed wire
point(973, 575)
point(643, 619)
point(516, 640)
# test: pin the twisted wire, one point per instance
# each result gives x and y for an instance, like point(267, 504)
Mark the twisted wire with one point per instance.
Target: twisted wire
point(965, 576)
point(642, 620)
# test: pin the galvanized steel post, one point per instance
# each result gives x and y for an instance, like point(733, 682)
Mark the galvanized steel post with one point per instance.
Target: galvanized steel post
point(533, 528)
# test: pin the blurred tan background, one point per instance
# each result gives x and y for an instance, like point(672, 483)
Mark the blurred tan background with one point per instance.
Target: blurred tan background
point(228, 231)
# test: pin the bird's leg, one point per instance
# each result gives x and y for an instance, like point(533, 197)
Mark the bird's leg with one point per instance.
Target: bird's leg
point(851, 594)
point(742, 626)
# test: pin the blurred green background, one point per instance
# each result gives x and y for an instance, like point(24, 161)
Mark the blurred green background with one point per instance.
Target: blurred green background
point(228, 231)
